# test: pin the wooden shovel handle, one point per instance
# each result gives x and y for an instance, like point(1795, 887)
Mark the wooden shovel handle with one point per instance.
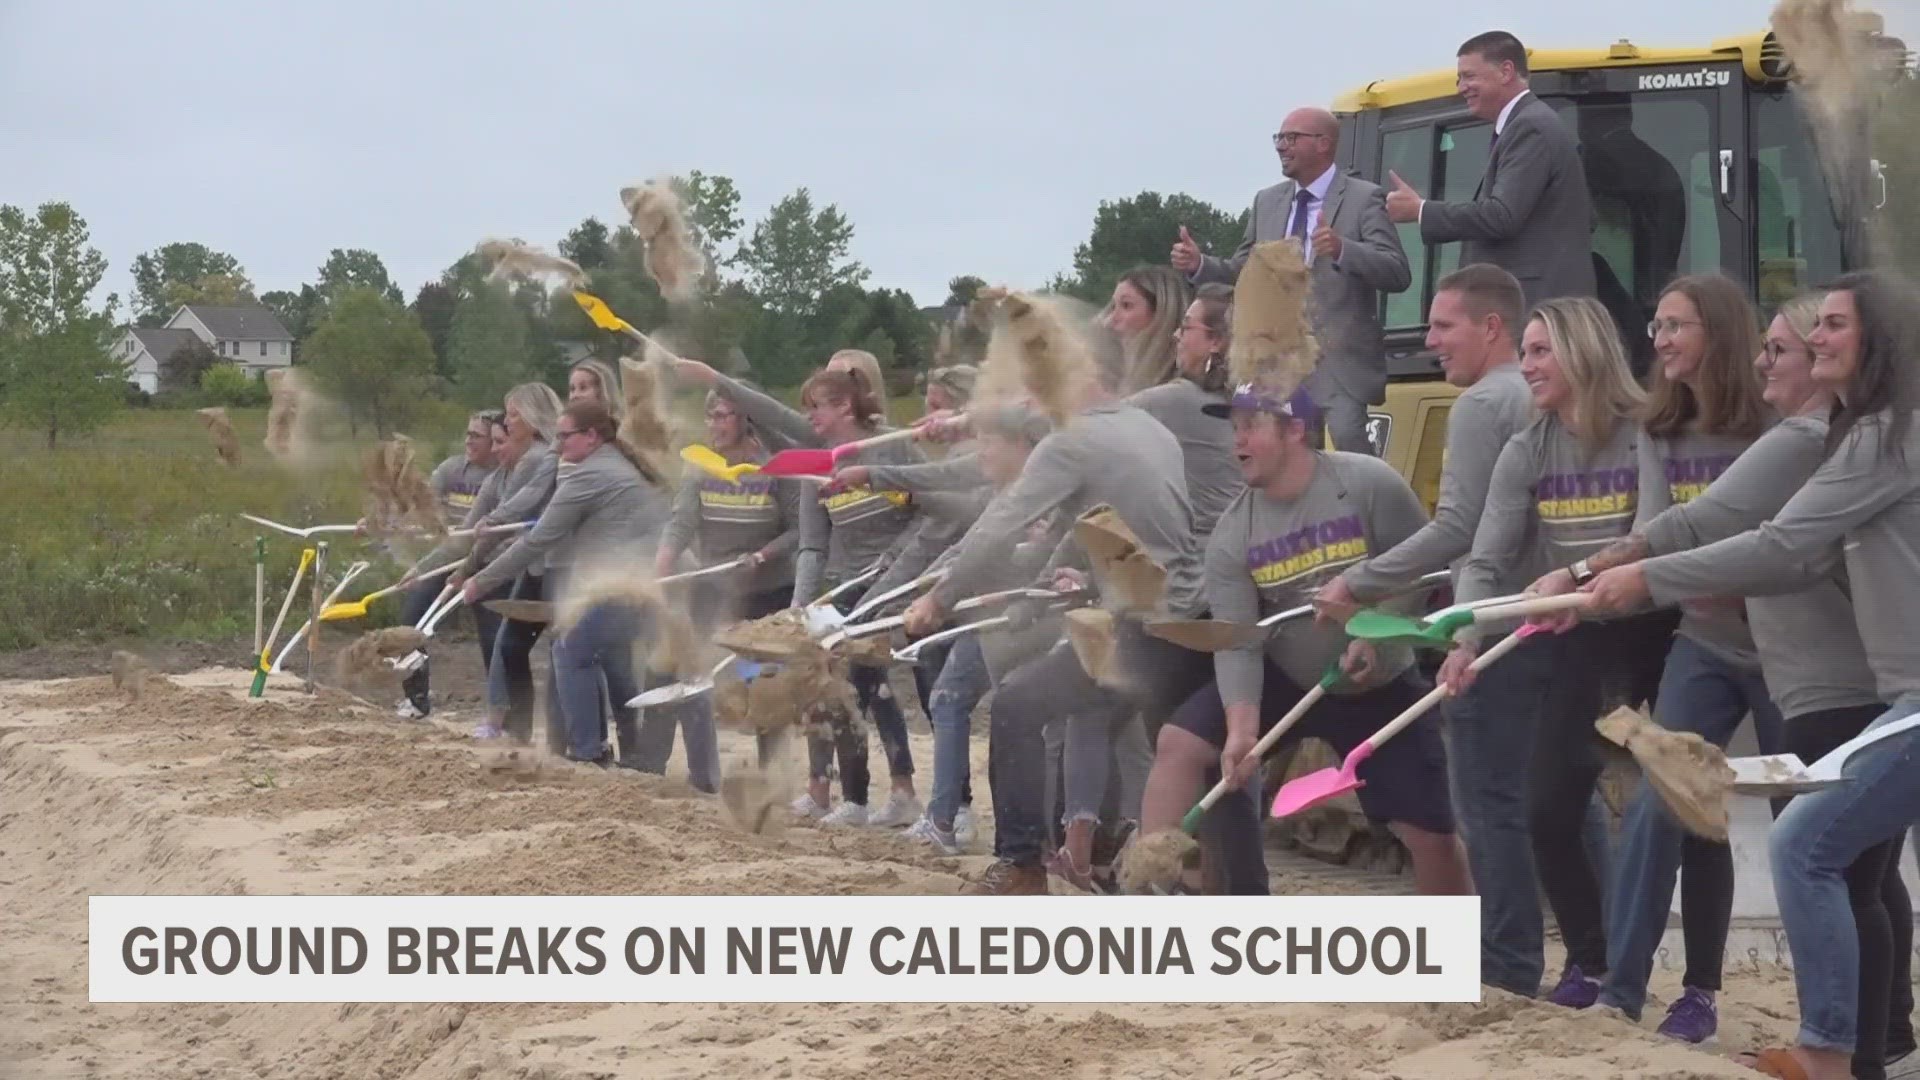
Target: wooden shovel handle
point(1539, 605)
point(1433, 697)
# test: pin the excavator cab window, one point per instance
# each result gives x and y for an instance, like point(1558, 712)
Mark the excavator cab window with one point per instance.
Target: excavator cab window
point(1798, 237)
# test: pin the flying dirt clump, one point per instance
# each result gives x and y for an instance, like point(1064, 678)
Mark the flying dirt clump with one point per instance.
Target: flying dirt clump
point(1036, 351)
point(1156, 861)
point(364, 660)
point(397, 496)
point(291, 417)
point(673, 260)
point(643, 422)
point(130, 675)
point(1690, 774)
point(518, 260)
point(672, 647)
point(754, 798)
point(220, 429)
point(1273, 341)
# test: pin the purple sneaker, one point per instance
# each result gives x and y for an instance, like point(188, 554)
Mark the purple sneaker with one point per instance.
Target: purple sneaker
point(1692, 1018)
point(1575, 991)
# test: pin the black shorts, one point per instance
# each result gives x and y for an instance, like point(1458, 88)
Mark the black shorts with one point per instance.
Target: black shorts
point(1405, 781)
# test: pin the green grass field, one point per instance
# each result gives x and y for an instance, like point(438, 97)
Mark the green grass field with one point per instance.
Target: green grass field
point(135, 529)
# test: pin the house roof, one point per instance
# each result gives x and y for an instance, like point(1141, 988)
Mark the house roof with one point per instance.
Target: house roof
point(161, 343)
point(241, 322)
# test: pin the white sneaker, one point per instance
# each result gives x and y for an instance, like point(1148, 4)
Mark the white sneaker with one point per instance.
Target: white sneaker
point(406, 711)
point(899, 810)
point(805, 807)
point(964, 827)
point(926, 832)
point(847, 814)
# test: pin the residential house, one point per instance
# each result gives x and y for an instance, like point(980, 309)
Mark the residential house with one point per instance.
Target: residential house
point(247, 335)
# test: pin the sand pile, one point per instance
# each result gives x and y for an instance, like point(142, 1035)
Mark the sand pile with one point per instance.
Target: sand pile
point(215, 794)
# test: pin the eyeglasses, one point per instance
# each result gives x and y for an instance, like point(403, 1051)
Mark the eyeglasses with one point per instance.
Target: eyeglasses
point(1671, 326)
point(1284, 139)
point(563, 436)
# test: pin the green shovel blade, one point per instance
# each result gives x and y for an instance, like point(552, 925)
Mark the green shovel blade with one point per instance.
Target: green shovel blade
point(1382, 627)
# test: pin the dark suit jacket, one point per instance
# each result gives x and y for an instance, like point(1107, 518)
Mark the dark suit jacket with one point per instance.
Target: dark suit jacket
point(1532, 215)
point(1345, 309)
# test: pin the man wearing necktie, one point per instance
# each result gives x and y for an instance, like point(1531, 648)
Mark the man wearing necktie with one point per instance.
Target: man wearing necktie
point(1354, 256)
point(1532, 215)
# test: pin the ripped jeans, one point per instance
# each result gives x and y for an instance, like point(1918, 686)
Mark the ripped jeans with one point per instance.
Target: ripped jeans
point(962, 682)
point(849, 741)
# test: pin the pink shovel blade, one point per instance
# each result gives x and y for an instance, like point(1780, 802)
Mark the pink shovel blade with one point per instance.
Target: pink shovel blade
point(799, 463)
point(1309, 791)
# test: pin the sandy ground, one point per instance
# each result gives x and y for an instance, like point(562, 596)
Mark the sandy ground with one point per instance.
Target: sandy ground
point(195, 790)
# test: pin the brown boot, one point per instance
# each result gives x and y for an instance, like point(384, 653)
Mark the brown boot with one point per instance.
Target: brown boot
point(1005, 879)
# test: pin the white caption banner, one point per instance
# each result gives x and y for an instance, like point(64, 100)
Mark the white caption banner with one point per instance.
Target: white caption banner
point(785, 948)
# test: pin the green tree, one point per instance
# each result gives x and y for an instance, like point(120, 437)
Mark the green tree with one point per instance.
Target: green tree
point(797, 253)
point(435, 306)
point(487, 349)
point(1142, 229)
point(216, 289)
point(962, 290)
point(356, 267)
point(712, 206)
point(226, 384)
point(299, 312)
point(56, 373)
point(589, 244)
point(186, 365)
point(157, 272)
point(371, 356)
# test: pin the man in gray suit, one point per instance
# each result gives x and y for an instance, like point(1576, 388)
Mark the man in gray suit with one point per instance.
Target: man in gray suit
point(1354, 254)
point(1531, 215)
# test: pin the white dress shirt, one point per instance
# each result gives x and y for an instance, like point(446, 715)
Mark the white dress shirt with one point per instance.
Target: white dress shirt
point(1319, 191)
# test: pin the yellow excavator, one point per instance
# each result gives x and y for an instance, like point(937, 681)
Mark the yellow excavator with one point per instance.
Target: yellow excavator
point(1698, 159)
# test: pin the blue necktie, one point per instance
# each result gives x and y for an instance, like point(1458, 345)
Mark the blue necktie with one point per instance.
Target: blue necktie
point(1299, 225)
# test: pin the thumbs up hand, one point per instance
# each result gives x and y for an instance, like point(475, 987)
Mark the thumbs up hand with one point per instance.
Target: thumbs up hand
point(1403, 203)
point(1186, 253)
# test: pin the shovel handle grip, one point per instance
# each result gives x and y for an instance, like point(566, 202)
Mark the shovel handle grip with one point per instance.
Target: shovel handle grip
point(1539, 605)
point(717, 568)
point(1267, 741)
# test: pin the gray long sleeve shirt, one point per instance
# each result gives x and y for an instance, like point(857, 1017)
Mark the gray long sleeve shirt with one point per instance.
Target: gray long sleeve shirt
point(1206, 445)
point(724, 520)
point(1114, 454)
point(958, 471)
point(1809, 648)
point(1865, 501)
point(456, 482)
point(1553, 501)
point(509, 496)
point(600, 506)
point(1269, 555)
point(1673, 471)
point(779, 425)
point(1479, 424)
point(844, 531)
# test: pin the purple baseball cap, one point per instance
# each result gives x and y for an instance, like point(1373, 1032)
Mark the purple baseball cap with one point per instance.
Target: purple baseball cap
point(1295, 406)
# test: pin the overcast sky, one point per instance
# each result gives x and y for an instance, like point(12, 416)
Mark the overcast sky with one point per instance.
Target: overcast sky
point(958, 138)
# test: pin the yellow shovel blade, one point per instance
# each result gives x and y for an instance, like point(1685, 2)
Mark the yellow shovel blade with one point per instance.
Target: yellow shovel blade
point(598, 311)
point(711, 463)
point(336, 612)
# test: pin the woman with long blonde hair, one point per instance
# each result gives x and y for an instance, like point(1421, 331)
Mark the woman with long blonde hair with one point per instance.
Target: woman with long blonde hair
point(1566, 486)
point(1146, 309)
point(594, 380)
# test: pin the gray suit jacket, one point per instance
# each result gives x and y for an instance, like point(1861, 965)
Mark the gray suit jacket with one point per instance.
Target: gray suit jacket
point(600, 506)
point(1346, 297)
point(1532, 215)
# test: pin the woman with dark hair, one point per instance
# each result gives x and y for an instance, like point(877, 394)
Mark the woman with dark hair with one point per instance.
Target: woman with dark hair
point(844, 530)
point(1563, 488)
point(606, 504)
point(1859, 510)
point(1147, 306)
point(781, 426)
point(755, 518)
point(1704, 411)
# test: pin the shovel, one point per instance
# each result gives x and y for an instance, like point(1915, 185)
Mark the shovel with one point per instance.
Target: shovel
point(910, 654)
point(891, 622)
point(822, 616)
point(1305, 792)
point(805, 462)
point(603, 317)
point(310, 531)
point(716, 568)
point(1212, 635)
point(1190, 824)
point(872, 603)
point(300, 635)
point(1786, 774)
point(525, 611)
point(711, 463)
point(1437, 632)
point(266, 649)
point(357, 609)
point(411, 662)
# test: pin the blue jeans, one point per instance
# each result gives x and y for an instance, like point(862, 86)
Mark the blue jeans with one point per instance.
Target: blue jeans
point(1814, 841)
point(599, 646)
point(1704, 694)
point(962, 682)
point(1490, 733)
point(653, 742)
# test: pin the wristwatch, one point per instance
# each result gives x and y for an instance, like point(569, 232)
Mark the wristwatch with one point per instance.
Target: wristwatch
point(1582, 573)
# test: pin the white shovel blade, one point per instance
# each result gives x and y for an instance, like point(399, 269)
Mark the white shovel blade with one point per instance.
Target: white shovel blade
point(1771, 775)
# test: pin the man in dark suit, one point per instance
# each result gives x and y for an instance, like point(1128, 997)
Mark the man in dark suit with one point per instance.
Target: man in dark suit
point(1354, 255)
point(1532, 215)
